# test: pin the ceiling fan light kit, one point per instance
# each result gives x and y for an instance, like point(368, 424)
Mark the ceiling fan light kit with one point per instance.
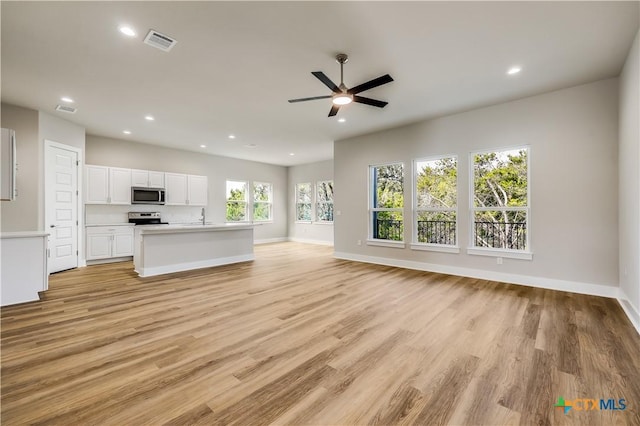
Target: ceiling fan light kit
point(341, 94)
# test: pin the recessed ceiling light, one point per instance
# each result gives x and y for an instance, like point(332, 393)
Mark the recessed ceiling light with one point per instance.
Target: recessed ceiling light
point(203, 146)
point(149, 117)
point(514, 70)
point(341, 120)
point(126, 132)
point(292, 154)
point(66, 99)
point(128, 31)
point(232, 136)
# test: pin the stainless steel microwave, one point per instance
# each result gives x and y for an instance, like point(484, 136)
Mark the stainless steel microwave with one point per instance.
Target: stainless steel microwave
point(147, 195)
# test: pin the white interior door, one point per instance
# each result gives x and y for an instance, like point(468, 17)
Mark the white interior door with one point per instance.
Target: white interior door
point(61, 206)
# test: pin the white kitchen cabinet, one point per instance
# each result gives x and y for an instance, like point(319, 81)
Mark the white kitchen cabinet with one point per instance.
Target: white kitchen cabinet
point(185, 190)
point(176, 189)
point(105, 242)
point(197, 190)
point(107, 185)
point(24, 266)
point(96, 182)
point(147, 178)
point(120, 185)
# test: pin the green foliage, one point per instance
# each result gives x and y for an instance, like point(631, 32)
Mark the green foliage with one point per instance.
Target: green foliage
point(437, 183)
point(261, 191)
point(236, 211)
point(324, 203)
point(389, 186)
point(303, 211)
point(261, 211)
point(500, 179)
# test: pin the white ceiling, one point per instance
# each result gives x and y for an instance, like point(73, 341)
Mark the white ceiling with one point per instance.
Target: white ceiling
point(237, 63)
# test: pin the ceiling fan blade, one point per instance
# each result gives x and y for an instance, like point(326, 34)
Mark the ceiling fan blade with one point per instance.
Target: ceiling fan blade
point(327, 82)
point(371, 84)
point(309, 99)
point(369, 101)
point(334, 110)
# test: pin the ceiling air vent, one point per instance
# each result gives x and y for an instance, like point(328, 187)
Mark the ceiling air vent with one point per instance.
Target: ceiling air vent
point(64, 108)
point(159, 41)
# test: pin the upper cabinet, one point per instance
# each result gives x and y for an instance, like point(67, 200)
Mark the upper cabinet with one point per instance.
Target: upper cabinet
point(107, 185)
point(112, 185)
point(197, 190)
point(185, 190)
point(176, 189)
point(147, 178)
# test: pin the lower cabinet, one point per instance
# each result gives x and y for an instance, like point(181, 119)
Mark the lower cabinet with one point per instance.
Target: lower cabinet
point(105, 242)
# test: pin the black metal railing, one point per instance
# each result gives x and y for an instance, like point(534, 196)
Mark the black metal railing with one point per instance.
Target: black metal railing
point(387, 229)
point(437, 232)
point(507, 235)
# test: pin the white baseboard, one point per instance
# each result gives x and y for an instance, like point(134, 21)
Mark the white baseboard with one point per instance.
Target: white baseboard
point(309, 241)
point(632, 312)
point(179, 267)
point(271, 240)
point(109, 260)
point(548, 283)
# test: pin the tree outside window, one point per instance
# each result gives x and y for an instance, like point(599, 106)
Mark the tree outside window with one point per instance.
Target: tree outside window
point(501, 199)
point(262, 202)
point(386, 202)
point(303, 202)
point(436, 201)
point(236, 201)
point(324, 201)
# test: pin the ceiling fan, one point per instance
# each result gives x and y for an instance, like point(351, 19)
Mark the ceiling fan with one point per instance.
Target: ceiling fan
point(342, 95)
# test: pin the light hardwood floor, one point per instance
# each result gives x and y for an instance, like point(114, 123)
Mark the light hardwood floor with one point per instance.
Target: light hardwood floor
point(297, 337)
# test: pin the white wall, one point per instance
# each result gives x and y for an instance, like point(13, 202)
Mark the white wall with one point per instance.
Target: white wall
point(629, 179)
point(22, 213)
point(574, 199)
point(316, 232)
point(119, 153)
point(26, 213)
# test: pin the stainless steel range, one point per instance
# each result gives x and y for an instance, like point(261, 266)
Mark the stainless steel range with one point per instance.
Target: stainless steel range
point(146, 218)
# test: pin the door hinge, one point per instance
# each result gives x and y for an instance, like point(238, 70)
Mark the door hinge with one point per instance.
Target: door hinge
point(77, 223)
point(76, 252)
point(77, 162)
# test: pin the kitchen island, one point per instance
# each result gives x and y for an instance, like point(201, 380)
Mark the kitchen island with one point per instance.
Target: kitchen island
point(162, 249)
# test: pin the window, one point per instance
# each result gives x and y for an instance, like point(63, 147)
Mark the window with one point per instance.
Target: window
point(324, 201)
point(262, 202)
point(236, 201)
point(303, 202)
point(436, 193)
point(501, 199)
point(386, 202)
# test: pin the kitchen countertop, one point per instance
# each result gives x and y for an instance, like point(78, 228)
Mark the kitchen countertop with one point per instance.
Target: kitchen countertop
point(109, 224)
point(192, 227)
point(24, 234)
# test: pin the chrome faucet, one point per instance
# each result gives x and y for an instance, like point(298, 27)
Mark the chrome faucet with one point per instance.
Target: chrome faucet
point(203, 216)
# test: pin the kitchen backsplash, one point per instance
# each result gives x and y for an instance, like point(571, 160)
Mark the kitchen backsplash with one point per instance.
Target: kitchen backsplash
point(97, 214)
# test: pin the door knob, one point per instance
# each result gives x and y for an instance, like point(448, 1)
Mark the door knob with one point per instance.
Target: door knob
point(52, 226)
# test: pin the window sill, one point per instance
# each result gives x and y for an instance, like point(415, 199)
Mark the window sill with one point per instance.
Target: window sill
point(386, 243)
point(308, 222)
point(509, 254)
point(435, 247)
point(323, 222)
point(260, 222)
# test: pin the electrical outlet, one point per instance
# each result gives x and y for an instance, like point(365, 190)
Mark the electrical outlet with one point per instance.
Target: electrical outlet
point(499, 260)
point(359, 242)
point(338, 212)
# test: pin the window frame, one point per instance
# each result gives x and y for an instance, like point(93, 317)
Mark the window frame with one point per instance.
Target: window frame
point(268, 203)
point(371, 241)
point(318, 203)
point(296, 202)
point(416, 210)
point(527, 253)
point(246, 201)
